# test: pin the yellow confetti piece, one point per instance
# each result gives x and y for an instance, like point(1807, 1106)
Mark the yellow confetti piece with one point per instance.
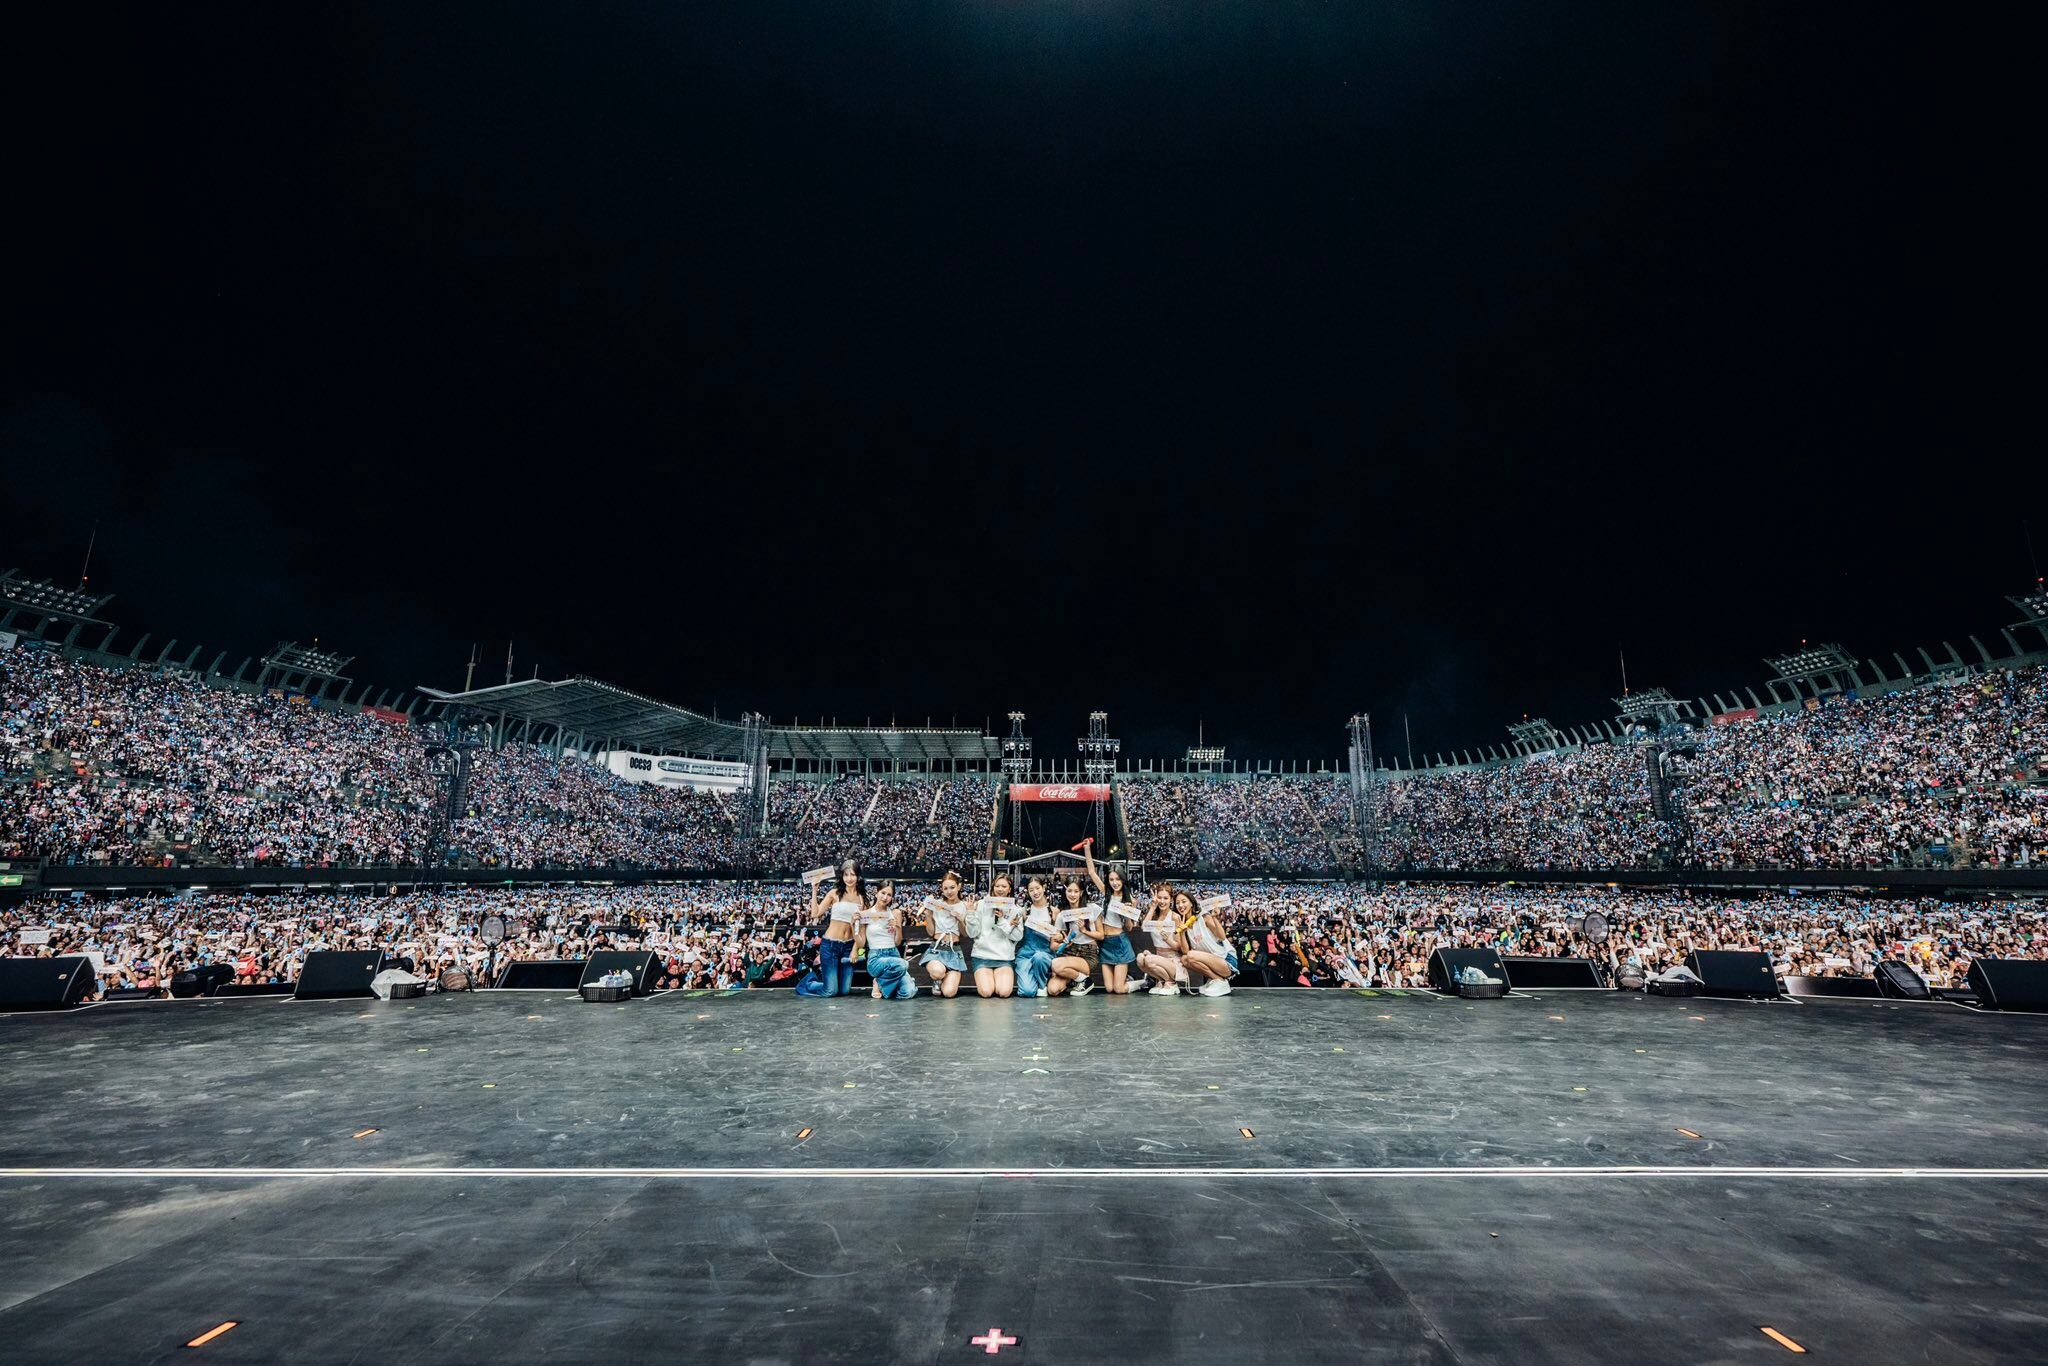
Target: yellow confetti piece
point(419, 1050)
point(1215, 1088)
point(1336, 1050)
point(1578, 1088)
point(490, 1086)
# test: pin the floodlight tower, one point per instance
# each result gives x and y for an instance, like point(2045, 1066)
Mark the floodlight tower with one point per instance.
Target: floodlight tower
point(2035, 605)
point(1016, 764)
point(1099, 752)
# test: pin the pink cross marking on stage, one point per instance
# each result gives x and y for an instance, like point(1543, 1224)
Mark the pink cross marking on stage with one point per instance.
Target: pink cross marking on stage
point(995, 1341)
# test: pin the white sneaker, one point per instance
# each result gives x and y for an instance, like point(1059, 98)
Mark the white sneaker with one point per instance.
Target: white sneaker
point(1215, 986)
point(1137, 986)
point(1082, 987)
point(1164, 993)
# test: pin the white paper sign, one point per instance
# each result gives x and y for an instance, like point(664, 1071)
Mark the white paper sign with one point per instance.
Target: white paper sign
point(35, 936)
point(816, 876)
point(1212, 905)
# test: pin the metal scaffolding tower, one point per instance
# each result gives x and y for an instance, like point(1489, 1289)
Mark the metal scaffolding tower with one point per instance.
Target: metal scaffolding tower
point(452, 740)
point(753, 791)
point(1364, 811)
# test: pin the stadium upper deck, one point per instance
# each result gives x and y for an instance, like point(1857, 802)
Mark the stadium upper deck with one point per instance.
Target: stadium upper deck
point(124, 760)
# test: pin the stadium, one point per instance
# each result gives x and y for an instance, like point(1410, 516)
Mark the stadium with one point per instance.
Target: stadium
point(1149, 422)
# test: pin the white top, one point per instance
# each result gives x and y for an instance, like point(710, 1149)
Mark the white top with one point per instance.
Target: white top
point(1119, 914)
point(846, 912)
point(1203, 940)
point(881, 933)
point(945, 919)
point(995, 936)
point(1072, 920)
point(1039, 918)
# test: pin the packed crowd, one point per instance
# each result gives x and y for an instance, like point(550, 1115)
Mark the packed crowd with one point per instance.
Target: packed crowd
point(137, 766)
point(1952, 774)
point(739, 934)
point(1333, 934)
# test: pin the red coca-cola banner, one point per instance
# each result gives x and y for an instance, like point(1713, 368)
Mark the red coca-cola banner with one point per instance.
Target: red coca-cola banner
point(1732, 718)
point(1059, 792)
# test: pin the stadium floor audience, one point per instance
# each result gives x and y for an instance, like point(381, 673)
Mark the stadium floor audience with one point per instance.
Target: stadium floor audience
point(737, 934)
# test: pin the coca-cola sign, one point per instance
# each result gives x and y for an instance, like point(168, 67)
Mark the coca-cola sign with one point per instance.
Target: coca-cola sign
point(1059, 792)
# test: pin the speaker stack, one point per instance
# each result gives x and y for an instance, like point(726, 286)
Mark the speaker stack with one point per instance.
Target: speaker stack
point(334, 974)
point(1743, 973)
point(2010, 983)
point(45, 983)
point(640, 963)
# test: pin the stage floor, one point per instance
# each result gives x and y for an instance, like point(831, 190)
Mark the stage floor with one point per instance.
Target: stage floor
point(751, 1177)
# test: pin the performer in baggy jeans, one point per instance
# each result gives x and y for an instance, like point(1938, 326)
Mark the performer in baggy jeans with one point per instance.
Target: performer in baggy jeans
point(882, 929)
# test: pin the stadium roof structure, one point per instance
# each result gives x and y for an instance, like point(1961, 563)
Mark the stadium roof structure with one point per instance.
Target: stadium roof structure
point(602, 714)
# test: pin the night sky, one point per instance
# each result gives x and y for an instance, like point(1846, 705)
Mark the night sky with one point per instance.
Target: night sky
point(1245, 362)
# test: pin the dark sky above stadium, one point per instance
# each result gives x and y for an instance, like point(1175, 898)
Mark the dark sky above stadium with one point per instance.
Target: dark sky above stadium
point(1249, 363)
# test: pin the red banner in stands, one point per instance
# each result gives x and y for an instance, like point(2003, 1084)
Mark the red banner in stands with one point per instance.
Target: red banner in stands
point(1059, 792)
point(396, 718)
point(1730, 718)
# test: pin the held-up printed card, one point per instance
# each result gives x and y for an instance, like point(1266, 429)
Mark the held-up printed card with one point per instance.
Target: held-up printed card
point(1215, 905)
point(816, 876)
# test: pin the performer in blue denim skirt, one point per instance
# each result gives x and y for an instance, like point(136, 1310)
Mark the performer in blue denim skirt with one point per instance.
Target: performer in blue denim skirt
point(1112, 932)
point(996, 924)
point(945, 917)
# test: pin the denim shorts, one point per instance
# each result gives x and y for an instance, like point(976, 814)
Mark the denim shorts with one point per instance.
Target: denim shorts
point(994, 963)
point(1116, 950)
point(947, 956)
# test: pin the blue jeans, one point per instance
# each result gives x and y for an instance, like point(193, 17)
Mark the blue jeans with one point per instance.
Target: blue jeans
point(1034, 963)
point(835, 966)
point(891, 974)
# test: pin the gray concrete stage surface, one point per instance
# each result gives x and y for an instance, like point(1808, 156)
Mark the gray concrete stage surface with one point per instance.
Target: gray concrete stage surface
point(1283, 1176)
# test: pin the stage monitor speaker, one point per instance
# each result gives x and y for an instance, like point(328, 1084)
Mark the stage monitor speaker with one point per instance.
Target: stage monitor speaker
point(543, 974)
point(45, 983)
point(1734, 972)
point(1897, 981)
point(337, 974)
point(644, 966)
point(201, 981)
point(1557, 974)
point(1446, 964)
point(2010, 983)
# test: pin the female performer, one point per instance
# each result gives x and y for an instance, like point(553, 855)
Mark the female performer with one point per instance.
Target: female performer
point(995, 926)
point(1209, 955)
point(835, 949)
point(1162, 962)
point(1034, 951)
point(1078, 922)
point(1112, 932)
point(882, 928)
point(946, 920)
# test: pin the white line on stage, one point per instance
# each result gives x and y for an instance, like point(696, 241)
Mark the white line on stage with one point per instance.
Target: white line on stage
point(1711, 1173)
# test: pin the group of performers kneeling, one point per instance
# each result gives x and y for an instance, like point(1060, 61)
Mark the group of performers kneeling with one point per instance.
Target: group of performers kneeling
point(1036, 945)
